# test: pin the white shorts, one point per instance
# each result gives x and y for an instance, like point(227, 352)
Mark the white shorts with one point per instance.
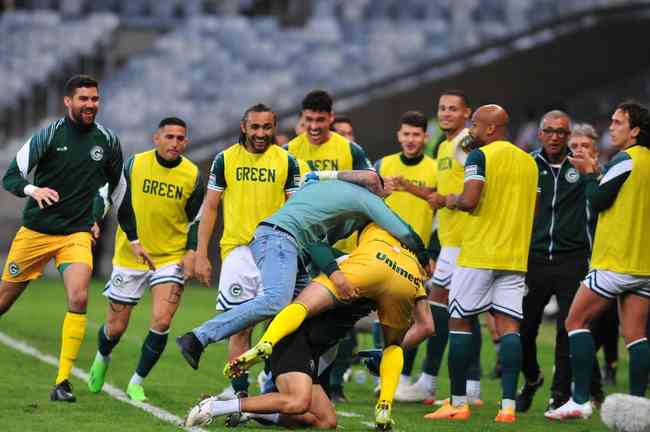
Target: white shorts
point(240, 279)
point(611, 284)
point(127, 285)
point(445, 266)
point(474, 291)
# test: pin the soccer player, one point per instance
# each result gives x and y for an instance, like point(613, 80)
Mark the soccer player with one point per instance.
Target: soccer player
point(499, 194)
point(453, 112)
point(252, 178)
point(411, 178)
point(380, 269)
point(58, 218)
point(321, 211)
point(324, 150)
point(559, 256)
point(620, 261)
point(298, 366)
point(342, 125)
point(583, 140)
point(154, 247)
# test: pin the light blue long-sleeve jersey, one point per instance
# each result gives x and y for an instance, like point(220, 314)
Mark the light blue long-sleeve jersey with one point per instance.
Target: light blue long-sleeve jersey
point(328, 211)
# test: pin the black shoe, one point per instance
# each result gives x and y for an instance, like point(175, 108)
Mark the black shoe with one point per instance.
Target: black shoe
point(598, 398)
point(608, 373)
point(527, 393)
point(337, 395)
point(62, 392)
point(236, 419)
point(191, 348)
point(557, 400)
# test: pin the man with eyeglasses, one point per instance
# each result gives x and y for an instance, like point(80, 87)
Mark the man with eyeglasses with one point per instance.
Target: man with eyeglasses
point(559, 256)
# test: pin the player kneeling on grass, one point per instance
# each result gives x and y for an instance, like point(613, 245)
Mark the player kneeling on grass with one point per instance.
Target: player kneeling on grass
point(296, 364)
point(379, 269)
point(154, 246)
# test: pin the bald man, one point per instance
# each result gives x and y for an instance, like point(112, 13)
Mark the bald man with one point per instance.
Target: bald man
point(493, 259)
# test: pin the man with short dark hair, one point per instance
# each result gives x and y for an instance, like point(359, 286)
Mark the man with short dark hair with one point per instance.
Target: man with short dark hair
point(410, 177)
point(323, 149)
point(163, 189)
point(620, 263)
point(453, 111)
point(58, 219)
point(343, 126)
point(559, 256)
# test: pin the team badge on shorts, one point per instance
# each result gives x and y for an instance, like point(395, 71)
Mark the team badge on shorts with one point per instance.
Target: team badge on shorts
point(14, 269)
point(312, 365)
point(96, 153)
point(572, 175)
point(236, 290)
point(117, 281)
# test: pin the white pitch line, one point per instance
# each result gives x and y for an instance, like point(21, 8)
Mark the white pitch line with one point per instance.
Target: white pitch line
point(112, 391)
point(348, 414)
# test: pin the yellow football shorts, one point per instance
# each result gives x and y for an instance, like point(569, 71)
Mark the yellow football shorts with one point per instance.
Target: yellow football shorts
point(31, 251)
point(389, 275)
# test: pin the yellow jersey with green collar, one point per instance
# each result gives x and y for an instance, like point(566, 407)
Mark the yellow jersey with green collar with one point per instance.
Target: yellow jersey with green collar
point(254, 186)
point(623, 198)
point(498, 231)
point(336, 154)
point(165, 202)
point(414, 210)
point(451, 177)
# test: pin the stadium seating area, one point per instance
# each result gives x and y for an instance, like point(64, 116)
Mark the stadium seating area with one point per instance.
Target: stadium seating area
point(211, 65)
point(228, 62)
point(39, 43)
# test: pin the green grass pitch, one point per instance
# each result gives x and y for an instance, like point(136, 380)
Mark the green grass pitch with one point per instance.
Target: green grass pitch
point(36, 319)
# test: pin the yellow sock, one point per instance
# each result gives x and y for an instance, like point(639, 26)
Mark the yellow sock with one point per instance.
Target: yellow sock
point(390, 368)
point(285, 323)
point(72, 334)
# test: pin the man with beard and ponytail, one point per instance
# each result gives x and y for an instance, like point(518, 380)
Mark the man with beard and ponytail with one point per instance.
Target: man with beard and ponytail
point(253, 178)
point(74, 157)
point(499, 193)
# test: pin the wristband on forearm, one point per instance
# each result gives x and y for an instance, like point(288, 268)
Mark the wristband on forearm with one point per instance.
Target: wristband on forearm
point(29, 189)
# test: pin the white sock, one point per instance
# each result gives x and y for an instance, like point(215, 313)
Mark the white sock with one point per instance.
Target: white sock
point(507, 403)
point(218, 407)
point(102, 358)
point(136, 379)
point(458, 400)
point(273, 418)
point(473, 389)
point(404, 380)
point(426, 382)
point(434, 385)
